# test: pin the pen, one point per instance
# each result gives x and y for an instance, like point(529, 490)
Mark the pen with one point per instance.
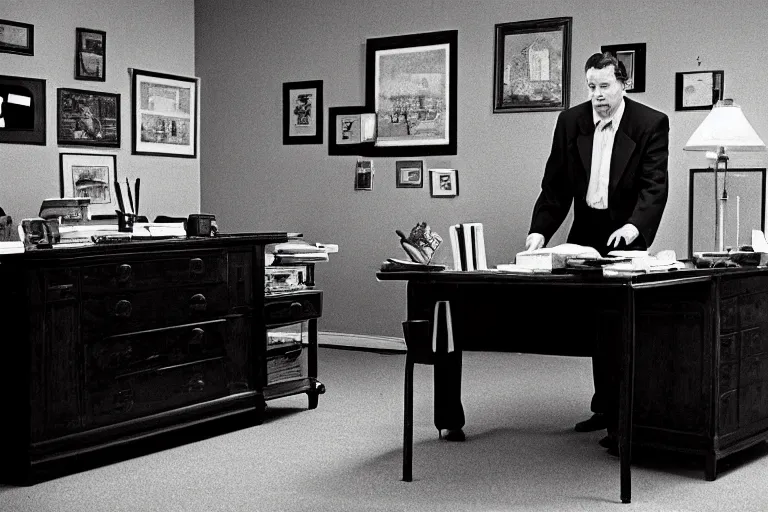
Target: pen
point(130, 195)
point(119, 195)
point(138, 184)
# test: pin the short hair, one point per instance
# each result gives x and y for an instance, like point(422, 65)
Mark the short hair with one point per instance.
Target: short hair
point(603, 60)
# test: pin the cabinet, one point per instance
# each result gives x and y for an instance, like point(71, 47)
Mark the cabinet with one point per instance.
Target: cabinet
point(116, 342)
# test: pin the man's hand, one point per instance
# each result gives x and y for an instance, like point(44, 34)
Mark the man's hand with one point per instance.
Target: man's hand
point(534, 241)
point(628, 232)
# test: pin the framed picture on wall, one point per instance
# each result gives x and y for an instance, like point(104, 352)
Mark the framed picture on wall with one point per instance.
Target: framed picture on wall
point(351, 130)
point(22, 110)
point(632, 56)
point(443, 182)
point(303, 112)
point(16, 37)
point(90, 54)
point(409, 173)
point(698, 90)
point(87, 118)
point(532, 65)
point(164, 114)
point(90, 175)
point(411, 84)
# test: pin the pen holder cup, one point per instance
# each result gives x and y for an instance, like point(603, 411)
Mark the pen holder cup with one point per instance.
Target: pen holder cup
point(125, 222)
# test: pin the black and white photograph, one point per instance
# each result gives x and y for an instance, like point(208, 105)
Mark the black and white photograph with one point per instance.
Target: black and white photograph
point(91, 55)
point(409, 173)
point(88, 118)
point(444, 182)
point(17, 37)
point(90, 175)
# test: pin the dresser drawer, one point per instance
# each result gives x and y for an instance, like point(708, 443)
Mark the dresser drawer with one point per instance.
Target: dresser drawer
point(152, 391)
point(129, 353)
point(293, 307)
point(128, 274)
point(130, 312)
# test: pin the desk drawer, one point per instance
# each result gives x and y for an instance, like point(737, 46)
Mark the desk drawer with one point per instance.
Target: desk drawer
point(293, 307)
point(130, 312)
point(148, 392)
point(200, 268)
point(130, 353)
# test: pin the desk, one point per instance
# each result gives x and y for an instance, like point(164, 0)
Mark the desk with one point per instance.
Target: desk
point(694, 345)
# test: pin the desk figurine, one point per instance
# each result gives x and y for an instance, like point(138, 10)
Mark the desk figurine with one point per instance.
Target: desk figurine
point(6, 226)
point(421, 243)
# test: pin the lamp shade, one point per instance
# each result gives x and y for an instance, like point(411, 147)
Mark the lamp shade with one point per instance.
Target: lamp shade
point(725, 126)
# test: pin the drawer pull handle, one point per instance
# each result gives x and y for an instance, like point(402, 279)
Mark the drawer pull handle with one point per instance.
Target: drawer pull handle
point(196, 266)
point(196, 341)
point(61, 292)
point(198, 302)
point(124, 272)
point(123, 309)
point(196, 383)
point(296, 309)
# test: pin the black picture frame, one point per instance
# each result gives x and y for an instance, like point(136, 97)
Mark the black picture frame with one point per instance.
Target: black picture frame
point(87, 118)
point(698, 90)
point(23, 112)
point(409, 173)
point(90, 54)
point(157, 127)
point(407, 71)
point(17, 37)
point(443, 183)
point(303, 112)
point(532, 65)
point(702, 203)
point(338, 143)
point(633, 57)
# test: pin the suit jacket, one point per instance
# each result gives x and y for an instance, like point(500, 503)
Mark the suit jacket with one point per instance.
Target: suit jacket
point(637, 188)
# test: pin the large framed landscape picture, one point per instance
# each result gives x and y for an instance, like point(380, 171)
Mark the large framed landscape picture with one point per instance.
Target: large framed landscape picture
point(164, 114)
point(411, 86)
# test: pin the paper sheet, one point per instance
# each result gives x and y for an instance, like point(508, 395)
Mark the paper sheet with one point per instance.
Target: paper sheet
point(759, 243)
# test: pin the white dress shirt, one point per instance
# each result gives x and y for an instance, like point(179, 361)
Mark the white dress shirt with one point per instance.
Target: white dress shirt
point(602, 149)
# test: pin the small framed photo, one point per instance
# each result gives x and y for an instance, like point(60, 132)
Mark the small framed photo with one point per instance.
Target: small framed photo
point(303, 112)
point(444, 182)
point(164, 114)
point(17, 37)
point(90, 55)
point(351, 130)
point(22, 110)
point(88, 118)
point(698, 90)
point(364, 175)
point(409, 173)
point(90, 175)
point(633, 58)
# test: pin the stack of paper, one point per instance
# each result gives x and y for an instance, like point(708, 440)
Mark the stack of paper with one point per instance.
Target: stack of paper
point(159, 230)
point(468, 246)
point(300, 252)
point(548, 258)
point(11, 247)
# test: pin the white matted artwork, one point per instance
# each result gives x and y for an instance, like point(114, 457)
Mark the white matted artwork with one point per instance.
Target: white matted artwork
point(164, 110)
point(90, 175)
point(444, 182)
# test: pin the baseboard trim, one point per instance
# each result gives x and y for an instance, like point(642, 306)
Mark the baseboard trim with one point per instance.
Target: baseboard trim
point(347, 341)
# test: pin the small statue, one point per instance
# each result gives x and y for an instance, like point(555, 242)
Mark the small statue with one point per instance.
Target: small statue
point(421, 243)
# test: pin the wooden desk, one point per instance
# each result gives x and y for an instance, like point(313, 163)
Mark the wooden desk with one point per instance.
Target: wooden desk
point(694, 345)
point(110, 343)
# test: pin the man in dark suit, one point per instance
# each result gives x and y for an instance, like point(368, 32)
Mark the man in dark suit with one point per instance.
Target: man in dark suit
point(609, 159)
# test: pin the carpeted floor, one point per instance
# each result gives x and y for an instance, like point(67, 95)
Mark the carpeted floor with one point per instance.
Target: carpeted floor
point(521, 453)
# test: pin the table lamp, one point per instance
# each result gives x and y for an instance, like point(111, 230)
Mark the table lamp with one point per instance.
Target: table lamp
point(724, 129)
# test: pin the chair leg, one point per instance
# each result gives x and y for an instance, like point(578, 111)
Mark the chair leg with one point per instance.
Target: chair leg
point(408, 422)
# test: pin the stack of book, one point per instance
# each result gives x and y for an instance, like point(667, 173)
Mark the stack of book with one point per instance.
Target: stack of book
point(468, 246)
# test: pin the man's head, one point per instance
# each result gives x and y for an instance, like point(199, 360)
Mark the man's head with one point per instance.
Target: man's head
point(606, 78)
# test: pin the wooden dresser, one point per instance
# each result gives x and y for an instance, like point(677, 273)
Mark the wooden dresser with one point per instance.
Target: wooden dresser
point(108, 343)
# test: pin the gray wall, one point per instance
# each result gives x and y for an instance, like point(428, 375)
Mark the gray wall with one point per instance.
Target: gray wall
point(155, 35)
point(246, 50)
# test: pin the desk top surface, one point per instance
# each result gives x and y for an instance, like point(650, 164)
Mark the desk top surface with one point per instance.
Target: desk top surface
point(589, 279)
point(62, 252)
